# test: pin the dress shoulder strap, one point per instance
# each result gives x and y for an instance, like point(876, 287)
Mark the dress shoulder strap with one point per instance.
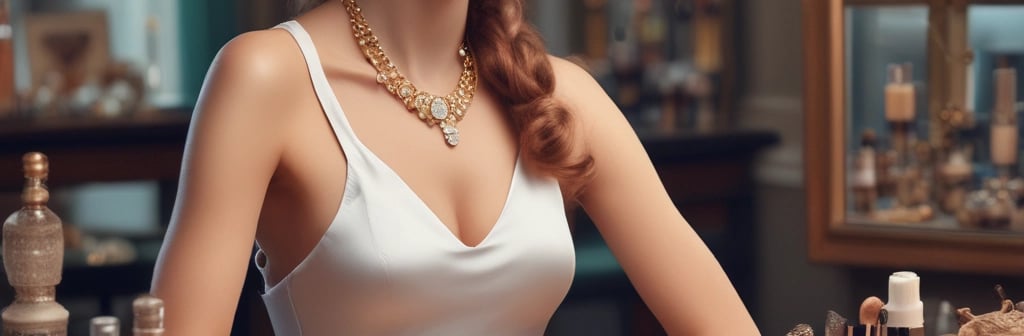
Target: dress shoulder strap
point(324, 93)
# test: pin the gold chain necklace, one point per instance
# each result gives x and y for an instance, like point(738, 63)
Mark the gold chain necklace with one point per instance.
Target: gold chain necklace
point(445, 111)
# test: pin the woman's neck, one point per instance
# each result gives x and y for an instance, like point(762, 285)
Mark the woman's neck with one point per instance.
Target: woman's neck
point(421, 37)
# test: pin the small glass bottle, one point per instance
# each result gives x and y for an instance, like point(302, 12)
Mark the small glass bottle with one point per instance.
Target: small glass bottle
point(899, 106)
point(864, 181)
point(149, 316)
point(900, 114)
point(105, 326)
point(1004, 136)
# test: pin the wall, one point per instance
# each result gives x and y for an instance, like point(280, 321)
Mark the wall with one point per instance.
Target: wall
point(792, 289)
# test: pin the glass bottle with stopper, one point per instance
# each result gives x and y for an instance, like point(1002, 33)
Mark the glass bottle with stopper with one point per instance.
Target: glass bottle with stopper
point(33, 249)
point(900, 113)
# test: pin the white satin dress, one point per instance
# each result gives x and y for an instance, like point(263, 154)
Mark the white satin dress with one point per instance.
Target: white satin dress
point(388, 266)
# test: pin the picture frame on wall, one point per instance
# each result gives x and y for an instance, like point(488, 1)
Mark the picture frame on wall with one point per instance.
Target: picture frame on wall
point(71, 48)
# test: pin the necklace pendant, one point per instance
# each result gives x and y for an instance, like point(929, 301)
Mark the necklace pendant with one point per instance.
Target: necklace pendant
point(451, 134)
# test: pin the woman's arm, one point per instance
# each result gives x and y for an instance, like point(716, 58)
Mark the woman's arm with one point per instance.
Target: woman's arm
point(234, 144)
point(670, 266)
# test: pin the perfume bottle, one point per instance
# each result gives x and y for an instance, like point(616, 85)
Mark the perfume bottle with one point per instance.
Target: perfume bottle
point(899, 94)
point(595, 29)
point(900, 113)
point(707, 36)
point(149, 316)
point(1004, 136)
point(7, 90)
point(154, 74)
point(33, 247)
point(865, 182)
point(899, 106)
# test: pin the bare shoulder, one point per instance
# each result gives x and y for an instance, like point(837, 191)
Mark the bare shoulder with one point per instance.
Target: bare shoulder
point(573, 84)
point(259, 58)
point(254, 79)
point(251, 94)
point(596, 115)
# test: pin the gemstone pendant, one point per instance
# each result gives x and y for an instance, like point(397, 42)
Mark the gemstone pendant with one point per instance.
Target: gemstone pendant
point(451, 134)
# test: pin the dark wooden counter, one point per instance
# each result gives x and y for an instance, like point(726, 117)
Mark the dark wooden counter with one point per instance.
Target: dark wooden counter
point(81, 150)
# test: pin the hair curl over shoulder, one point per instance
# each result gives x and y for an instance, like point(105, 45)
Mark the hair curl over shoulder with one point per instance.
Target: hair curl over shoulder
point(513, 63)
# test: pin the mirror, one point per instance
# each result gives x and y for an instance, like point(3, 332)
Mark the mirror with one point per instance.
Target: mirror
point(912, 136)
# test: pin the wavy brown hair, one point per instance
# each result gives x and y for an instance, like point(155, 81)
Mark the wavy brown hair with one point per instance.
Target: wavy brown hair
point(513, 63)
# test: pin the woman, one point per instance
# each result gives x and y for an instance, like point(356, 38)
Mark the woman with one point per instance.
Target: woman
point(402, 166)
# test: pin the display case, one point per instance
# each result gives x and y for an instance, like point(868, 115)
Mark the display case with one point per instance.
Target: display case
point(911, 150)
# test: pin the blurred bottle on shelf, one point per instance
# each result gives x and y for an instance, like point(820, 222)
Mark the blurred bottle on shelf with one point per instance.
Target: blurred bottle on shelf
point(707, 36)
point(104, 326)
point(7, 90)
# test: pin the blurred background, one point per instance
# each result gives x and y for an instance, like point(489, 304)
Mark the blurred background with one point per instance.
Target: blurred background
point(713, 87)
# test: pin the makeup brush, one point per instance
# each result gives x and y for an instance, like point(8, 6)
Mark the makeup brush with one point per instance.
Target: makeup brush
point(869, 311)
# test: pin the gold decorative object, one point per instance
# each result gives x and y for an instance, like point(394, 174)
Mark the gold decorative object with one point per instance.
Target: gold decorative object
point(914, 214)
point(33, 247)
point(1007, 321)
point(801, 330)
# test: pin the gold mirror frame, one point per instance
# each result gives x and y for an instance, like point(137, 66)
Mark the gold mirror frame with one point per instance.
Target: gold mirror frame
point(830, 240)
